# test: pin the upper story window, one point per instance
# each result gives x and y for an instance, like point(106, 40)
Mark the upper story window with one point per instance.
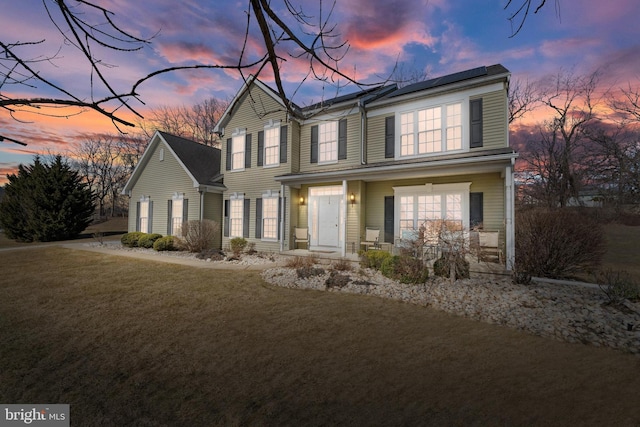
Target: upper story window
point(272, 145)
point(328, 142)
point(431, 130)
point(237, 150)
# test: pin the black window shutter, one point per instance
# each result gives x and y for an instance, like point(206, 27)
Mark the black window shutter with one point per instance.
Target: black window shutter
point(280, 213)
point(389, 137)
point(225, 231)
point(185, 210)
point(476, 215)
point(314, 144)
point(388, 219)
point(247, 151)
point(342, 139)
point(476, 123)
point(283, 144)
point(245, 218)
point(150, 222)
point(228, 165)
point(137, 216)
point(258, 218)
point(169, 217)
point(261, 148)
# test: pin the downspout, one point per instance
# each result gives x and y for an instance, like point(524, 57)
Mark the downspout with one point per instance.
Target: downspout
point(509, 217)
point(282, 216)
point(343, 247)
point(363, 132)
point(201, 204)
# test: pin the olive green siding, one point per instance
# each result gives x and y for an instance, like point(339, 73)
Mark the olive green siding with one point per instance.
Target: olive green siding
point(494, 120)
point(159, 180)
point(213, 210)
point(353, 147)
point(256, 180)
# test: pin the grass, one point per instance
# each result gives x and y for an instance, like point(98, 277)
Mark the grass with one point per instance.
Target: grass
point(130, 342)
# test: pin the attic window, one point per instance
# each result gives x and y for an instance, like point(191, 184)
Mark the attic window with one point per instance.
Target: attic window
point(161, 154)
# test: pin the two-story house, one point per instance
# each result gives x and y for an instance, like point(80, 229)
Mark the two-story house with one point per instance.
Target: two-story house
point(386, 157)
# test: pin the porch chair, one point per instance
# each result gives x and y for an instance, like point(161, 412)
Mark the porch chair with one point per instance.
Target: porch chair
point(300, 235)
point(489, 246)
point(372, 235)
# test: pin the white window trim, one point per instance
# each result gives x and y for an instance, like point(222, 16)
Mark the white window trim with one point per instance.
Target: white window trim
point(270, 195)
point(236, 197)
point(239, 133)
point(147, 200)
point(442, 104)
point(271, 124)
point(432, 189)
point(337, 131)
point(177, 196)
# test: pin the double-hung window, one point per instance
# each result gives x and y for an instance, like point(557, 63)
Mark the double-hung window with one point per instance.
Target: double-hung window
point(236, 216)
point(177, 214)
point(272, 145)
point(328, 142)
point(270, 218)
point(431, 130)
point(143, 215)
point(237, 150)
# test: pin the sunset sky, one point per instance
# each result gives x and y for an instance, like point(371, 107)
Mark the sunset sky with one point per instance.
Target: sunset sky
point(437, 36)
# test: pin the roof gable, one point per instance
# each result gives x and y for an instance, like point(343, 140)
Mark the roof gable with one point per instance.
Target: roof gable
point(200, 162)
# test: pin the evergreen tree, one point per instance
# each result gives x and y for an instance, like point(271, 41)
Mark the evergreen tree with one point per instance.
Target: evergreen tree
point(46, 202)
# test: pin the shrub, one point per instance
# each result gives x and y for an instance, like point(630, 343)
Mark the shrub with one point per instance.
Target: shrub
point(164, 244)
point(442, 267)
point(404, 269)
point(618, 285)
point(557, 243)
point(147, 240)
point(306, 272)
point(237, 245)
point(373, 258)
point(300, 262)
point(130, 240)
point(342, 265)
point(199, 235)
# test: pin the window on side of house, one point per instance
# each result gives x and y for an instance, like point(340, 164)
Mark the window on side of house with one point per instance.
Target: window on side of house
point(272, 145)
point(431, 130)
point(143, 215)
point(236, 217)
point(270, 218)
point(328, 142)
point(177, 209)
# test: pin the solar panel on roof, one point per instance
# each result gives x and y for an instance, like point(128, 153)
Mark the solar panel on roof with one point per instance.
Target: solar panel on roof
point(441, 81)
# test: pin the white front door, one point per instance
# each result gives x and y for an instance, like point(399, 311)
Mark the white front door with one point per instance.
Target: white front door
point(326, 210)
point(329, 220)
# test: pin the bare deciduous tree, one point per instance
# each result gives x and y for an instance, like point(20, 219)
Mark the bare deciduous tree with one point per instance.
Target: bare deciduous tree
point(521, 9)
point(557, 158)
point(523, 98)
point(196, 122)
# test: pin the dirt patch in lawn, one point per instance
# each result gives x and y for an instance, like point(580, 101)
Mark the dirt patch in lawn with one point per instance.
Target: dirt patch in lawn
point(130, 342)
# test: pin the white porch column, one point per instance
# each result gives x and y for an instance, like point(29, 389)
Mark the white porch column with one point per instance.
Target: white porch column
point(510, 255)
point(343, 247)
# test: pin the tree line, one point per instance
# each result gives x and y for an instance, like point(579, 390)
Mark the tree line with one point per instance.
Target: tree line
point(587, 141)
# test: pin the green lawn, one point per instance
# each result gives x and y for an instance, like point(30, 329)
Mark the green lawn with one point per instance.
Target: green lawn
point(130, 342)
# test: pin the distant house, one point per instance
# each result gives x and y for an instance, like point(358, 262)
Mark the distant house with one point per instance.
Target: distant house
point(176, 180)
point(387, 158)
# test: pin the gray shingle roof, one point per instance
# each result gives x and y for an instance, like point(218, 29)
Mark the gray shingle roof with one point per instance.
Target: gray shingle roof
point(202, 161)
